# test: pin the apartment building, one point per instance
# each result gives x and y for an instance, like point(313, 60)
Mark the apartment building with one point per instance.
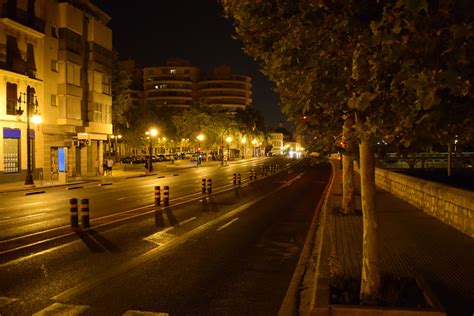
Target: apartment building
point(225, 89)
point(171, 85)
point(60, 52)
point(179, 84)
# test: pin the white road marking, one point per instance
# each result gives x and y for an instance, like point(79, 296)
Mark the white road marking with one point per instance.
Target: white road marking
point(62, 309)
point(122, 198)
point(33, 203)
point(4, 301)
point(162, 236)
point(9, 219)
point(228, 224)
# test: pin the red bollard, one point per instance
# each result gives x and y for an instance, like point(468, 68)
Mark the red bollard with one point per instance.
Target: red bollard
point(85, 213)
point(157, 195)
point(74, 215)
point(166, 195)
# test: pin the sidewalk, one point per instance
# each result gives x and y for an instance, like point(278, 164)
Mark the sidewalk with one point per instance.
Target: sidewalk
point(411, 244)
point(119, 173)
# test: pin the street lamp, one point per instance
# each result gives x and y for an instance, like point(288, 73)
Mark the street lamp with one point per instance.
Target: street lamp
point(243, 141)
point(254, 142)
point(116, 137)
point(151, 133)
point(200, 138)
point(29, 99)
point(228, 140)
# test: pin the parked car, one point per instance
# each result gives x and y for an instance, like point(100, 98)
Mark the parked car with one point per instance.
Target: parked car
point(133, 160)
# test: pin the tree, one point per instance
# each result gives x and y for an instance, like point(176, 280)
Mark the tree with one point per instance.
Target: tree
point(121, 101)
point(391, 66)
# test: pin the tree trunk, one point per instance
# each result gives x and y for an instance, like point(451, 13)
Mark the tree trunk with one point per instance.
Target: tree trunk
point(370, 282)
point(348, 185)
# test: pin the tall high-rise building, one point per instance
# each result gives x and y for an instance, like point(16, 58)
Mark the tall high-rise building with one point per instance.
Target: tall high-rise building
point(60, 52)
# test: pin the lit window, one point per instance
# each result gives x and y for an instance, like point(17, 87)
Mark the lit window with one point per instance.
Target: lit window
point(173, 71)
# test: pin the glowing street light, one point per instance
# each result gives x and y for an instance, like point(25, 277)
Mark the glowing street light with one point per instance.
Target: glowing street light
point(150, 134)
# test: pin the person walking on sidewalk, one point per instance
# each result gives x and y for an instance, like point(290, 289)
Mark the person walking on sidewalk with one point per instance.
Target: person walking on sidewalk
point(97, 167)
point(110, 165)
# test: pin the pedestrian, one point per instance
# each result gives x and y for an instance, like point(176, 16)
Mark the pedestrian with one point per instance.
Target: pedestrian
point(110, 164)
point(146, 167)
point(104, 167)
point(97, 167)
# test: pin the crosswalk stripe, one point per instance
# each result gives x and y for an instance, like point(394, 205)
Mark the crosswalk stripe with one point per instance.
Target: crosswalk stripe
point(6, 300)
point(57, 309)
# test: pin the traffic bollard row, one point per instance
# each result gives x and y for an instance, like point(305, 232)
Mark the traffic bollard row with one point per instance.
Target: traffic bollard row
point(84, 211)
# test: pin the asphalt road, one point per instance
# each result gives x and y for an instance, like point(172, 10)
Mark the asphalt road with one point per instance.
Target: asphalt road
point(230, 253)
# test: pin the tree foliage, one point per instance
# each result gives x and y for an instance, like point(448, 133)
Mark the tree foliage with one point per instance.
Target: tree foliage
point(401, 68)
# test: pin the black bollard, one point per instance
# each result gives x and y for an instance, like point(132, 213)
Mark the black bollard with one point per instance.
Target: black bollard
point(85, 213)
point(203, 185)
point(166, 195)
point(235, 179)
point(74, 215)
point(239, 179)
point(157, 196)
point(209, 186)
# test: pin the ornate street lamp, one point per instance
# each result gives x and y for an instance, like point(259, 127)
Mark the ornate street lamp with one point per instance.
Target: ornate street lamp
point(150, 134)
point(28, 99)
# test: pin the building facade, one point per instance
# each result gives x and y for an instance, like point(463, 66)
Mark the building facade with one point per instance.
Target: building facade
point(171, 85)
point(61, 53)
point(225, 89)
point(179, 84)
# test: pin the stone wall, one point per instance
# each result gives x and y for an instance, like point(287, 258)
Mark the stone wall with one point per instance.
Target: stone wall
point(453, 206)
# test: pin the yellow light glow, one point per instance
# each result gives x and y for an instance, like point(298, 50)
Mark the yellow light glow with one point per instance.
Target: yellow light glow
point(153, 132)
point(200, 137)
point(36, 119)
point(244, 140)
point(228, 139)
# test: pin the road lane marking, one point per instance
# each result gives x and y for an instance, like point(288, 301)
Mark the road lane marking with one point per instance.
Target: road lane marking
point(228, 224)
point(122, 198)
point(33, 203)
point(9, 219)
point(4, 301)
point(159, 250)
point(159, 238)
point(62, 309)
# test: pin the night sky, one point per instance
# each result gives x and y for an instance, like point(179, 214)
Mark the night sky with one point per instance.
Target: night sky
point(151, 31)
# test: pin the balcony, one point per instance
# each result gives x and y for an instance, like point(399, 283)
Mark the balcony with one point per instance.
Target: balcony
point(22, 17)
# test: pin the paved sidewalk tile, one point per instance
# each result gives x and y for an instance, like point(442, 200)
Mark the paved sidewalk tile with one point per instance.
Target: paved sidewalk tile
point(411, 243)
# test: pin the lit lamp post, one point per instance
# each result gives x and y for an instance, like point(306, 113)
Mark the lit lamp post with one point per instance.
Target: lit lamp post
point(254, 142)
point(200, 138)
point(151, 133)
point(116, 138)
point(29, 100)
point(243, 141)
point(228, 140)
